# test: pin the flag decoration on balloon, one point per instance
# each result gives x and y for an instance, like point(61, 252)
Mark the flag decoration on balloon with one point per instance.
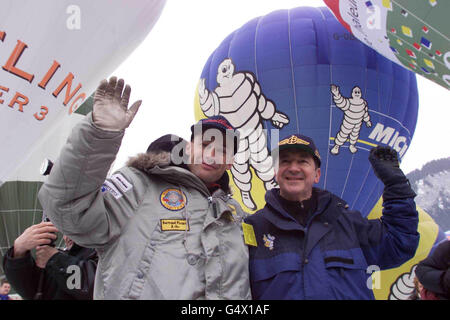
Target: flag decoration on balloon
point(401, 30)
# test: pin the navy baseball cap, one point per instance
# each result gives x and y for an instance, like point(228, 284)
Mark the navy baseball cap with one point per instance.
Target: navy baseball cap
point(220, 123)
point(301, 142)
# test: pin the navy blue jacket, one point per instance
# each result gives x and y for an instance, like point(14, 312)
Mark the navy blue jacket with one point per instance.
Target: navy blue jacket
point(329, 258)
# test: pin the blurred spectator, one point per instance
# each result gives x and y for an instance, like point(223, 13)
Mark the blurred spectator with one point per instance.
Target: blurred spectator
point(5, 287)
point(56, 274)
point(434, 273)
point(415, 295)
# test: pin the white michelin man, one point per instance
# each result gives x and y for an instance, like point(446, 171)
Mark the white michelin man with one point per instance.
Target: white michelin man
point(239, 99)
point(355, 112)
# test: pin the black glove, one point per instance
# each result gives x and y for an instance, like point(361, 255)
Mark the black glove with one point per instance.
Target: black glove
point(385, 165)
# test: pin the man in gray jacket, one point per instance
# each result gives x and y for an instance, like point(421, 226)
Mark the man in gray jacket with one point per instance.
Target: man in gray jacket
point(163, 229)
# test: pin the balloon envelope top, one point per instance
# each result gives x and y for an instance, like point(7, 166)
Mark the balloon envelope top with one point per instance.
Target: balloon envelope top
point(52, 62)
point(299, 71)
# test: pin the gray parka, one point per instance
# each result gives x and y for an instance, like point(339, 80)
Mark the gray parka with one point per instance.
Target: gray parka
point(158, 231)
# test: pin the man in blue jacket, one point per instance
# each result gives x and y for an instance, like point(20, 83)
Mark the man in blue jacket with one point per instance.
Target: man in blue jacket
point(309, 245)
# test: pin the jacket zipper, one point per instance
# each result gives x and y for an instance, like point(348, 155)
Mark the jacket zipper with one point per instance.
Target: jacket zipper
point(303, 263)
point(304, 259)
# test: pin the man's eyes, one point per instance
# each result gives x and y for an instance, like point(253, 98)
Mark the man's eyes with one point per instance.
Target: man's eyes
point(286, 161)
point(219, 149)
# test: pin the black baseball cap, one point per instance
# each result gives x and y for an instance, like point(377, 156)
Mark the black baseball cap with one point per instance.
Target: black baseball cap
point(220, 123)
point(167, 143)
point(164, 143)
point(298, 141)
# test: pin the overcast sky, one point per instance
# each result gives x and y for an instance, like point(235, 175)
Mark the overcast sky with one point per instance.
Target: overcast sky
point(163, 71)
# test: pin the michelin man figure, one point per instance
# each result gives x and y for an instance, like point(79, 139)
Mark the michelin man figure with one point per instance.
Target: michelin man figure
point(404, 286)
point(355, 112)
point(239, 99)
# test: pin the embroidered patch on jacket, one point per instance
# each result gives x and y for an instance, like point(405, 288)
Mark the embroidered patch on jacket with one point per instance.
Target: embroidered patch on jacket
point(174, 225)
point(249, 234)
point(111, 188)
point(173, 199)
point(268, 241)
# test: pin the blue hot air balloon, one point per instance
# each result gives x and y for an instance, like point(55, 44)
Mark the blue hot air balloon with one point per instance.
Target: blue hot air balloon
point(301, 71)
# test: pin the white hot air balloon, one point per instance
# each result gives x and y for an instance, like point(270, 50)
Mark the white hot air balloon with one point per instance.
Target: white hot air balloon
point(52, 61)
point(53, 54)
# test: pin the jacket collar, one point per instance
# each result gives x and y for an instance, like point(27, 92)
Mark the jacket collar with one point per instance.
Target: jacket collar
point(278, 216)
point(314, 231)
point(74, 249)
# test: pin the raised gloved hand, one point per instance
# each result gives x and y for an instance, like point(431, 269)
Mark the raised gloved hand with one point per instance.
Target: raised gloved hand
point(110, 111)
point(385, 164)
point(386, 167)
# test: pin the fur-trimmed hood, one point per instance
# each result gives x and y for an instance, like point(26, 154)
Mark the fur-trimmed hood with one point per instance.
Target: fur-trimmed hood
point(159, 154)
point(147, 161)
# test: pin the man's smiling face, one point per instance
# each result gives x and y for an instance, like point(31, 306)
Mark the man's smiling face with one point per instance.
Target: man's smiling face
point(296, 174)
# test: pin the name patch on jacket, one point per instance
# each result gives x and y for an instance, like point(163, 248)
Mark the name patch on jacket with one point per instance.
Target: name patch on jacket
point(173, 199)
point(123, 183)
point(174, 225)
point(249, 234)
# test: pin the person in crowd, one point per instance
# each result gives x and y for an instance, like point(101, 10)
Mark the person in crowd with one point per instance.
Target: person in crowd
point(5, 287)
point(165, 225)
point(54, 274)
point(310, 245)
point(415, 295)
point(434, 273)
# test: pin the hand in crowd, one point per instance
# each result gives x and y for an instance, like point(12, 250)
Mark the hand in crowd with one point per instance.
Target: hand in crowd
point(36, 235)
point(43, 254)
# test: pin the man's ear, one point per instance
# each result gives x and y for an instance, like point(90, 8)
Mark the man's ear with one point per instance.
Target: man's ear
point(317, 178)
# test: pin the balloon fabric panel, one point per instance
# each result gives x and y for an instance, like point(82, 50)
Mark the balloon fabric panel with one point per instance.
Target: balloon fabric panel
point(412, 33)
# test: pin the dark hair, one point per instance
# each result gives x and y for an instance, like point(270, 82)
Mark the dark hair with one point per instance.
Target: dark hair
point(3, 281)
